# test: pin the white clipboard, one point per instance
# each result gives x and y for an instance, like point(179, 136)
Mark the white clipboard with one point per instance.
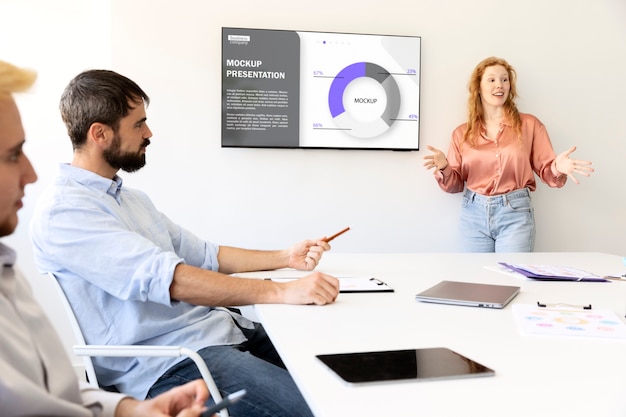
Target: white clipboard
point(351, 284)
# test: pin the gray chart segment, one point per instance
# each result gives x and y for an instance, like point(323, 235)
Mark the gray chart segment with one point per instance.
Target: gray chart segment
point(393, 100)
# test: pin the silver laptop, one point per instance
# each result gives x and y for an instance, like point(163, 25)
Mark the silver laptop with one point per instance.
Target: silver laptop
point(469, 294)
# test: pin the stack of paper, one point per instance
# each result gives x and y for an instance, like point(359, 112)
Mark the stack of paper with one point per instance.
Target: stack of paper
point(552, 272)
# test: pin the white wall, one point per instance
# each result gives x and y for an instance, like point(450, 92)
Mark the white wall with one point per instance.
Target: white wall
point(58, 39)
point(570, 58)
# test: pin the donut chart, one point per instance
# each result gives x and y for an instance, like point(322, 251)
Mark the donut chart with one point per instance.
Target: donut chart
point(347, 121)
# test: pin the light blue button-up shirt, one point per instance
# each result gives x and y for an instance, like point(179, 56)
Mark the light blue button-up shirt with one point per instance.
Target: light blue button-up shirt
point(114, 255)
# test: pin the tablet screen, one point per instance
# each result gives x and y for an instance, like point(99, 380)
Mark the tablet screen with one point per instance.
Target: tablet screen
point(396, 365)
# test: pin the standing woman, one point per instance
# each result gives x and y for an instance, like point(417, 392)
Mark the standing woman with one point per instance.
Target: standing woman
point(495, 156)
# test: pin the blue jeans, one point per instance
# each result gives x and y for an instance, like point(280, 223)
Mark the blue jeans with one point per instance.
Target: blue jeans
point(503, 223)
point(254, 366)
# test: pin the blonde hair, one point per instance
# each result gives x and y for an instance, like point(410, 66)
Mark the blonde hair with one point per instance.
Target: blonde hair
point(475, 117)
point(14, 79)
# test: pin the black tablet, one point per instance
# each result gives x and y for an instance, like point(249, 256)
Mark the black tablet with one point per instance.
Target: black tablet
point(400, 365)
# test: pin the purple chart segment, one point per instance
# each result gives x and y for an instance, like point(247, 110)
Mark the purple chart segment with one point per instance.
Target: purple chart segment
point(341, 81)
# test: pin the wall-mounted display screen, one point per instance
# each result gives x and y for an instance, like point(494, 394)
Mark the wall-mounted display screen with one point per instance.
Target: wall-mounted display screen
point(294, 89)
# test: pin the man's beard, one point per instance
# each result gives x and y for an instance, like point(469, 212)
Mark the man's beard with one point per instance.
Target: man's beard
point(127, 161)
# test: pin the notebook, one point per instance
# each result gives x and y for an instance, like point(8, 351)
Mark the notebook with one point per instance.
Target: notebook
point(469, 294)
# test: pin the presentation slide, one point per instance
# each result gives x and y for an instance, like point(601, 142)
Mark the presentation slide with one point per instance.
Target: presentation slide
point(295, 89)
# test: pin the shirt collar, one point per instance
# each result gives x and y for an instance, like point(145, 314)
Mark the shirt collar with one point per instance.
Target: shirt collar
point(112, 187)
point(7, 255)
point(505, 122)
point(483, 129)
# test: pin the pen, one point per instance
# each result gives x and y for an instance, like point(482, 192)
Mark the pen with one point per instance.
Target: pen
point(328, 239)
point(228, 401)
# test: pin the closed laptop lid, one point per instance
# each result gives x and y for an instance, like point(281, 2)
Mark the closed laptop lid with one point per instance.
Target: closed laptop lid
point(469, 294)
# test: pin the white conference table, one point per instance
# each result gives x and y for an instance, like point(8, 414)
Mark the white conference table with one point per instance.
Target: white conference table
point(535, 375)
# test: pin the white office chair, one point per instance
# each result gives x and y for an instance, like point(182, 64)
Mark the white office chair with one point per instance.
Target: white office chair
point(87, 351)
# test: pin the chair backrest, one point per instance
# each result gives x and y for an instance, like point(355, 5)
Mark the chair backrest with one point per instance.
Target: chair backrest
point(78, 334)
point(88, 351)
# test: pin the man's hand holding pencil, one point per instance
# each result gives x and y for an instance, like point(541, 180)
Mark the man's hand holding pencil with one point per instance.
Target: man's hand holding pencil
point(305, 256)
point(317, 288)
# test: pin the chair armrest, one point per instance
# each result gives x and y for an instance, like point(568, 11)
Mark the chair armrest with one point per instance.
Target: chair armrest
point(154, 351)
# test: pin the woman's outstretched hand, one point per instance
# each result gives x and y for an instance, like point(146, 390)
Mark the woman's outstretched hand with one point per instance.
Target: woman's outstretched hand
point(568, 166)
point(436, 160)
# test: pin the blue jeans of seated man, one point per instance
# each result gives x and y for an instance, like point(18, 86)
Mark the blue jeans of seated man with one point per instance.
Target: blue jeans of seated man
point(254, 366)
point(503, 223)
